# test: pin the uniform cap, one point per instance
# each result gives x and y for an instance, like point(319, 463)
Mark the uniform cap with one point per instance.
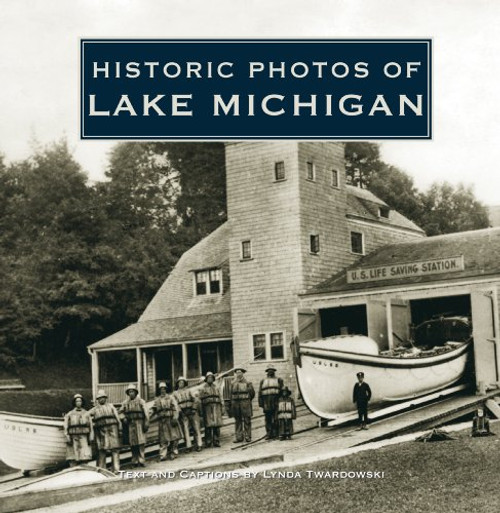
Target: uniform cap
point(162, 384)
point(360, 374)
point(101, 393)
point(270, 368)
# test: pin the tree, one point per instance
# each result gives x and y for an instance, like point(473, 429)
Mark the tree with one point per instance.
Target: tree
point(201, 204)
point(449, 209)
point(142, 187)
point(362, 162)
point(398, 190)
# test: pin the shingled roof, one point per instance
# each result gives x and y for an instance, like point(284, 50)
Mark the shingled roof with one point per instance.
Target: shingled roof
point(361, 203)
point(480, 250)
point(177, 329)
point(175, 297)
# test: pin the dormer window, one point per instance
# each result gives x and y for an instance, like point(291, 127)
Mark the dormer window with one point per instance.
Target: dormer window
point(208, 281)
point(384, 212)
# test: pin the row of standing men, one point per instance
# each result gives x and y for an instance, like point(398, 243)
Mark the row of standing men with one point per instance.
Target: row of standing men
point(178, 414)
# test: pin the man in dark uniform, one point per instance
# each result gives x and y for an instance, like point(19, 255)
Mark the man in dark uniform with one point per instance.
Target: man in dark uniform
point(269, 393)
point(242, 393)
point(361, 396)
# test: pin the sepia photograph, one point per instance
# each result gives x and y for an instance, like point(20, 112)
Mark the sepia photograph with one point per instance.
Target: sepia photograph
point(262, 308)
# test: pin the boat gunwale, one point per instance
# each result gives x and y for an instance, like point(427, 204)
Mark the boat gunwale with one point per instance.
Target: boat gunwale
point(25, 418)
point(386, 361)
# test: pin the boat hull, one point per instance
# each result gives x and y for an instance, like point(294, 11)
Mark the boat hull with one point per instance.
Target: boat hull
point(326, 377)
point(31, 443)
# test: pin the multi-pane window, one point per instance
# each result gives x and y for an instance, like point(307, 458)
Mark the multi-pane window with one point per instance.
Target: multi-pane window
point(214, 275)
point(279, 171)
point(335, 178)
point(246, 250)
point(277, 346)
point(310, 171)
point(268, 346)
point(259, 347)
point(314, 244)
point(208, 281)
point(357, 245)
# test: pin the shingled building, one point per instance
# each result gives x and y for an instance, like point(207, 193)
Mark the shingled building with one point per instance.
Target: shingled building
point(232, 299)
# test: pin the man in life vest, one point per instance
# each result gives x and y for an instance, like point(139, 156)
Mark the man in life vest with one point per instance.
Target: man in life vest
point(240, 406)
point(361, 395)
point(211, 407)
point(480, 423)
point(135, 420)
point(79, 433)
point(165, 407)
point(107, 427)
point(189, 417)
point(269, 392)
point(286, 414)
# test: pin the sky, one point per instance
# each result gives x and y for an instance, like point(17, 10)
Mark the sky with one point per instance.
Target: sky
point(39, 68)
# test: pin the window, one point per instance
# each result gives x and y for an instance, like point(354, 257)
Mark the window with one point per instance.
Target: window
point(259, 347)
point(335, 178)
point(214, 281)
point(208, 281)
point(314, 244)
point(268, 346)
point(277, 346)
point(246, 250)
point(357, 245)
point(310, 171)
point(384, 212)
point(279, 171)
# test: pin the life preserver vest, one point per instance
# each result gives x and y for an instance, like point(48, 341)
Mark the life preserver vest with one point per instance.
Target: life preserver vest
point(240, 391)
point(270, 386)
point(104, 416)
point(133, 410)
point(210, 395)
point(164, 407)
point(78, 423)
point(285, 410)
point(185, 401)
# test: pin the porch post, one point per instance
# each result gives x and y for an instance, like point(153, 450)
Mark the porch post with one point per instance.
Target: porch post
point(95, 372)
point(138, 361)
point(184, 360)
point(388, 313)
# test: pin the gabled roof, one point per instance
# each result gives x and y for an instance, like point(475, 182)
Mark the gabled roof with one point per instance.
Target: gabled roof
point(175, 298)
point(163, 331)
point(361, 203)
point(480, 250)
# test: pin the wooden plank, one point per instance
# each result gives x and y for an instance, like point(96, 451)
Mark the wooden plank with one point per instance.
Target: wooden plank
point(492, 405)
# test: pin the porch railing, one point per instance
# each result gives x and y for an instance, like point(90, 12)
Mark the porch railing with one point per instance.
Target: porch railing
point(116, 391)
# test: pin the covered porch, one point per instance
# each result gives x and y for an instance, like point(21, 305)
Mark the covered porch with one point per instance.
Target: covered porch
point(148, 352)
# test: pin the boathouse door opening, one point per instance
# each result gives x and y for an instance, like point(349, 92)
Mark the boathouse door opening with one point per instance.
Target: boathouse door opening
point(344, 320)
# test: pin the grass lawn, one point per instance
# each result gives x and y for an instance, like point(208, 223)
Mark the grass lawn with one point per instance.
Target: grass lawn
point(457, 476)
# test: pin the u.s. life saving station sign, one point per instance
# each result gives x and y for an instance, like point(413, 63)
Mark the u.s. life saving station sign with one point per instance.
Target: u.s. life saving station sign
point(406, 270)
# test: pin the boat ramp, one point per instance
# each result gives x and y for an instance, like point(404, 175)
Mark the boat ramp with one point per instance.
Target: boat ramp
point(311, 442)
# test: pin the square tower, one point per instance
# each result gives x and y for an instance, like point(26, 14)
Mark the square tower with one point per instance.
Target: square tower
point(287, 211)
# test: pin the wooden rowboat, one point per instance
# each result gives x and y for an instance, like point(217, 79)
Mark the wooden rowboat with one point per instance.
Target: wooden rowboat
point(326, 372)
